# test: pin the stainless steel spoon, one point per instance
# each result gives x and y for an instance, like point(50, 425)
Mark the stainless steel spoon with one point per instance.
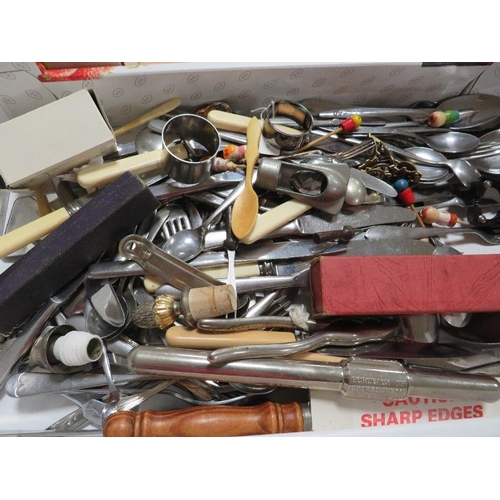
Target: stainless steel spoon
point(446, 142)
point(462, 169)
point(188, 243)
point(491, 164)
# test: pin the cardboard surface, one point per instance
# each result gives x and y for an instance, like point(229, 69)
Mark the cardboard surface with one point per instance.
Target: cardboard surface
point(125, 93)
point(54, 139)
point(331, 411)
point(405, 284)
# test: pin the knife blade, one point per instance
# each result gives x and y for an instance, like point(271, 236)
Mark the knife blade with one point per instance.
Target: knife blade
point(373, 183)
point(274, 251)
point(355, 216)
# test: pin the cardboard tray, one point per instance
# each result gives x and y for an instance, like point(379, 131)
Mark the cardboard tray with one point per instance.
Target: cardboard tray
point(126, 92)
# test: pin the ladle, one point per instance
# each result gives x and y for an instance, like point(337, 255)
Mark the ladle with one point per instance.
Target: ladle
point(188, 243)
point(246, 206)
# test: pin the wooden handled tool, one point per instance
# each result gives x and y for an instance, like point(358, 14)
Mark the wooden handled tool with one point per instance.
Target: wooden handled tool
point(348, 125)
point(195, 303)
point(216, 421)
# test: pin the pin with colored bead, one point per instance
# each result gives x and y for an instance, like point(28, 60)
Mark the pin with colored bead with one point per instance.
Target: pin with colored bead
point(234, 153)
point(431, 215)
point(223, 165)
point(443, 118)
point(348, 125)
point(406, 197)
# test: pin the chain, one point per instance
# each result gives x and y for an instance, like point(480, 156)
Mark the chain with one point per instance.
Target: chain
point(384, 166)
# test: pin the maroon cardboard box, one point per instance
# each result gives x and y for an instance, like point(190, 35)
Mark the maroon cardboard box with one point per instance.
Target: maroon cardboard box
point(405, 284)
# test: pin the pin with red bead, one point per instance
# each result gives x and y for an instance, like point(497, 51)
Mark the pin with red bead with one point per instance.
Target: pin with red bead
point(348, 125)
point(431, 215)
point(406, 197)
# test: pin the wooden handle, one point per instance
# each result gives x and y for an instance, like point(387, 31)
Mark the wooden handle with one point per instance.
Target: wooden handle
point(31, 232)
point(151, 115)
point(99, 175)
point(220, 421)
point(192, 338)
point(319, 139)
point(274, 219)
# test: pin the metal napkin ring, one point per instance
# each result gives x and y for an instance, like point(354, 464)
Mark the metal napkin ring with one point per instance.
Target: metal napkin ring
point(283, 137)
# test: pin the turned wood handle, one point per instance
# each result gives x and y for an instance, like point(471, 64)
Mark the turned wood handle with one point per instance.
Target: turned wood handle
point(220, 421)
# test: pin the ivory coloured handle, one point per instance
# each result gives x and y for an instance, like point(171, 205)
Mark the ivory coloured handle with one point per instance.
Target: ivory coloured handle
point(33, 231)
point(99, 175)
point(274, 219)
point(192, 338)
point(219, 421)
point(151, 115)
point(232, 122)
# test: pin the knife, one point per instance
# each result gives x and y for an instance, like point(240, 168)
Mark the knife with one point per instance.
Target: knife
point(220, 421)
point(355, 216)
point(273, 251)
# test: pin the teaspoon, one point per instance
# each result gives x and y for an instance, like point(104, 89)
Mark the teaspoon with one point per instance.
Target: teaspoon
point(188, 243)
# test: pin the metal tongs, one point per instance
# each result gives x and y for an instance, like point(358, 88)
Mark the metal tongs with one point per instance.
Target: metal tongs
point(346, 337)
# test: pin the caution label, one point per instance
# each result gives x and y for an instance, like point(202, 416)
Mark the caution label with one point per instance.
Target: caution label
point(331, 411)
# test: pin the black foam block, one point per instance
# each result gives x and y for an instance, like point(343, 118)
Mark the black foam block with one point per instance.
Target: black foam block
point(68, 250)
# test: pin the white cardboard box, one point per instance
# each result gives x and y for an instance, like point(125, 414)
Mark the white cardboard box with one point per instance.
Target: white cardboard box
point(54, 139)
